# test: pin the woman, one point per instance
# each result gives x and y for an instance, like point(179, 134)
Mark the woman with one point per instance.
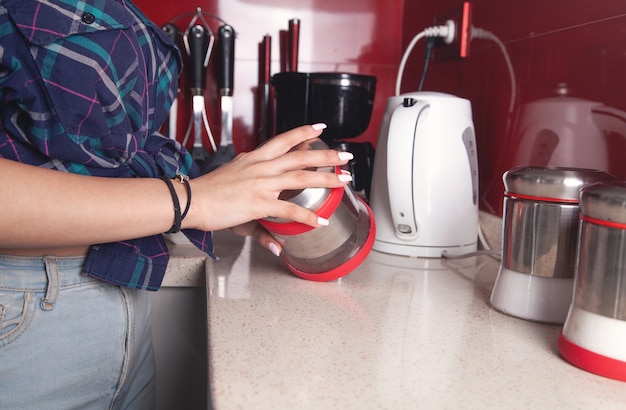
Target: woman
point(89, 186)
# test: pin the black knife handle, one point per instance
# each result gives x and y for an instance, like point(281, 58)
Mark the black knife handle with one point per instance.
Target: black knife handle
point(173, 33)
point(226, 53)
point(198, 38)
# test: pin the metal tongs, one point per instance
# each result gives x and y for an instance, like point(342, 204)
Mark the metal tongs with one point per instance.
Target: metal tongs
point(198, 40)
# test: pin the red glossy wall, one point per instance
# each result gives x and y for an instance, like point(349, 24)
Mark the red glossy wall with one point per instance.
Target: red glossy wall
point(573, 45)
point(556, 45)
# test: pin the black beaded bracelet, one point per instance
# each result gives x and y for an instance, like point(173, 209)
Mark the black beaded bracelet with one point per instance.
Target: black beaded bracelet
point(177, 215)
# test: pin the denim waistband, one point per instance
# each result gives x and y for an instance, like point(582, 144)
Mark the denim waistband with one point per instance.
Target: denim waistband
point(31, 273)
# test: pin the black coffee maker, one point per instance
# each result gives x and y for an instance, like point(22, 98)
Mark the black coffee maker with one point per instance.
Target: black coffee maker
point(343, 101)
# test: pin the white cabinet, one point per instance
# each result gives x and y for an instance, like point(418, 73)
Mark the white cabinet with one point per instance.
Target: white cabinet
point(179, 334)
point(179, 331)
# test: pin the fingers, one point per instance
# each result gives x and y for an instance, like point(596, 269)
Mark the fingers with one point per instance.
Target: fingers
point(284, 142)
point(257, 231)
point(305, 159)
point(301, 179)
point(291, 212)
point(302, 159)
point(268, 241)
point(278, 156)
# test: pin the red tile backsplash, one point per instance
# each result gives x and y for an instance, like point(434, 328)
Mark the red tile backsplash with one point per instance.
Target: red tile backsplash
point(578, 43)
point(351, 36)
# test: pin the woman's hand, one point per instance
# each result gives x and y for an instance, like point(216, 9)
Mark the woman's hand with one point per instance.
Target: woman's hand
point(247, 188)
point(45, 208)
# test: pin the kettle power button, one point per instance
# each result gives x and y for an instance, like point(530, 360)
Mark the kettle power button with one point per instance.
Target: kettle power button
point(404, 229)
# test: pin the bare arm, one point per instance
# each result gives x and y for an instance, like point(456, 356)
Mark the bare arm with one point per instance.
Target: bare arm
point(50, 208)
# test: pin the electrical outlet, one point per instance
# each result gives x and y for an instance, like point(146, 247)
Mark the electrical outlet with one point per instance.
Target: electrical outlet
point(461, 15)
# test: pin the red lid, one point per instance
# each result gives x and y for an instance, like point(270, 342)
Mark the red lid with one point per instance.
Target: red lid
point(325, 211)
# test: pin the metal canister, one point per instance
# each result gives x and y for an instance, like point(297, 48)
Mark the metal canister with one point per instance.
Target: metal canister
point(539, 240)
point(329, 252)
point(595, 329)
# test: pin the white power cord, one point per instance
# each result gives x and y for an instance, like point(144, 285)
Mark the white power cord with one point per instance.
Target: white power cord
point(493, 253)
point(485, 252)
point(446, 32)
point(478, 32)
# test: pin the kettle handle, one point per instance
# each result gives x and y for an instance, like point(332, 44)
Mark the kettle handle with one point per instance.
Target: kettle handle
point(609, 119)
point(400, 147)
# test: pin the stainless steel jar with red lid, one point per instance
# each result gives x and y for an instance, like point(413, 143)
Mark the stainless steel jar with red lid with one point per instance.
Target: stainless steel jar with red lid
point(329, 252)
point(539, 240)
point(595, 329)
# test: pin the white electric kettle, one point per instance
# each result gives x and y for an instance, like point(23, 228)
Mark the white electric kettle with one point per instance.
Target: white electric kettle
point(424, 193)
point(566, 132)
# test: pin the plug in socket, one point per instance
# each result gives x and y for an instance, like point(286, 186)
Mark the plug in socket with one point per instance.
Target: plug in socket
point(461, 15)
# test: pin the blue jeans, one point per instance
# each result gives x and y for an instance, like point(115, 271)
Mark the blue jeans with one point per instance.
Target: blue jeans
point(70, 341)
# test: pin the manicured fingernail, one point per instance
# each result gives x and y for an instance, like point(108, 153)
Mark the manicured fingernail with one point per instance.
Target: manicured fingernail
point(318, 126)
point(345, 156)
point(273, 248)
point(345, 177)
point(322, 221)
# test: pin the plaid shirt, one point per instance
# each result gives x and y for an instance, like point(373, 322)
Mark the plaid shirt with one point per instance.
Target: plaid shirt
point(84, 88)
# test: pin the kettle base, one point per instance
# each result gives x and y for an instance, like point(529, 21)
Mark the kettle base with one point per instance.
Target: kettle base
point(422, 251)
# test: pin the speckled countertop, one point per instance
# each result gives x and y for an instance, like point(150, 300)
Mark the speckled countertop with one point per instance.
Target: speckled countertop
point(187, 264)
point(397, 333)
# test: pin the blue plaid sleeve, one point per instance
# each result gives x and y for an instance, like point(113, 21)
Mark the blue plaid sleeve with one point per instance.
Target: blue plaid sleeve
point(84, 88)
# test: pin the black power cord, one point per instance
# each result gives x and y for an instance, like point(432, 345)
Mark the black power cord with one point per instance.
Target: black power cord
point(428, 52)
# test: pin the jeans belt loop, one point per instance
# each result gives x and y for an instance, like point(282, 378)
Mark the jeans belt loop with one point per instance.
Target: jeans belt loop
point(52, 290)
